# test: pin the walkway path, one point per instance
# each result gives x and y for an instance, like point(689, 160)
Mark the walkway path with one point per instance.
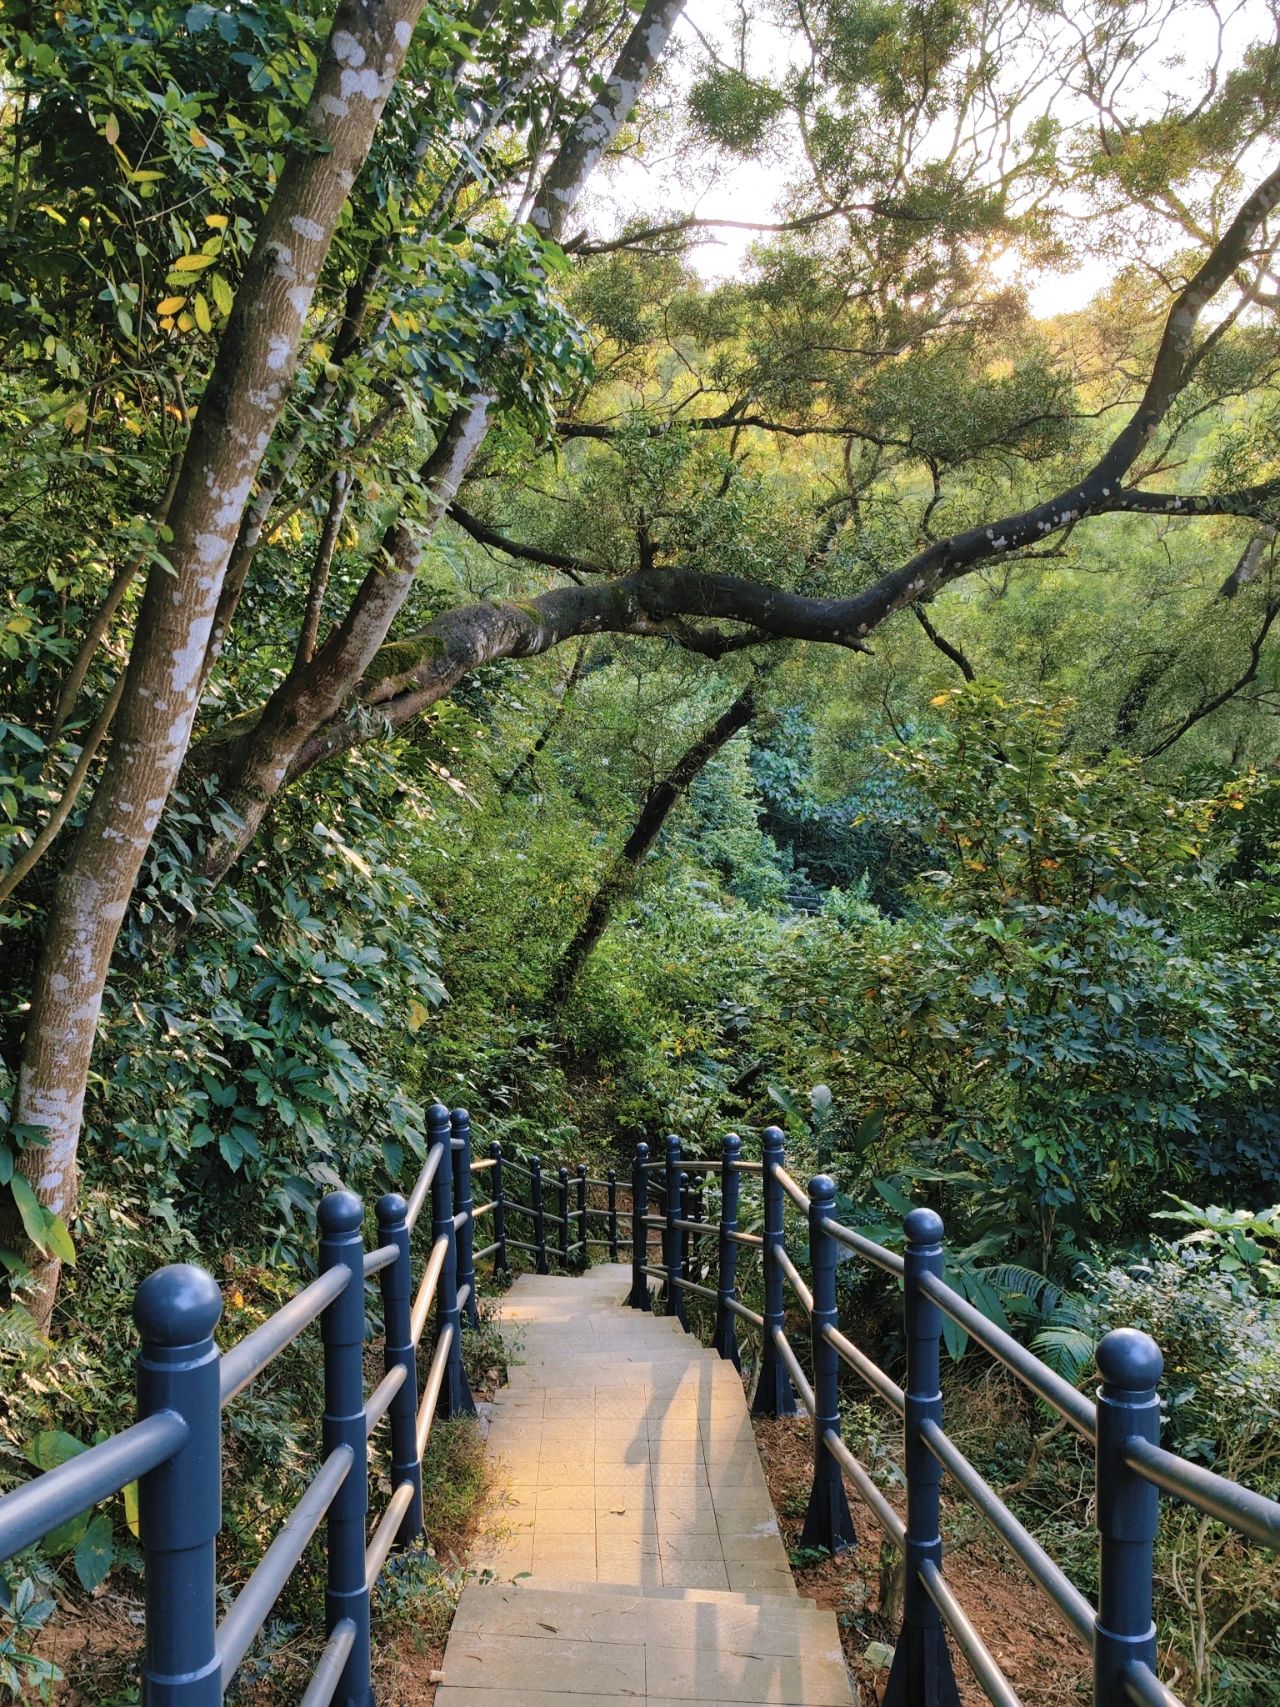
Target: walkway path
point(637, 1553)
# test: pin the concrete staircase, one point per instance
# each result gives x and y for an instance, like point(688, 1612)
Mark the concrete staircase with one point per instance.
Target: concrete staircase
point(635, 1553)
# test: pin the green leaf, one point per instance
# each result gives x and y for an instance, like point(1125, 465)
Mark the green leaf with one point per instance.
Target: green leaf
point(129, 1494)
point(53, 1447)
point(60, 1241)
point(34, 1218)
point(95, 1553)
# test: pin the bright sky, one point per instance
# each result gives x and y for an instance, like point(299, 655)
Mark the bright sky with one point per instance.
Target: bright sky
point(752, 190)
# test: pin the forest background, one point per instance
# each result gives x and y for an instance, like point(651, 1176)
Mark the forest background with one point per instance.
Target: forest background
point(647, 571)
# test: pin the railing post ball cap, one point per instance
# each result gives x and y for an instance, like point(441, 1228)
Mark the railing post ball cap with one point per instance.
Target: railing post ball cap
point(673, 1144)
point(462, 1117)
point(732, 1143)
point(1129, 1361)
point(923, 1227)
point(642, 1152)
point(437, 1116)
point(391, 1209)
point(774, 1137)
point(177, 1306)
point(340, 1212)
point(822, 1190)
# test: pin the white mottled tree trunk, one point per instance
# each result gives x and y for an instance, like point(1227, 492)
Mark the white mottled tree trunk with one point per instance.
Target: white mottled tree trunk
point(242, 402)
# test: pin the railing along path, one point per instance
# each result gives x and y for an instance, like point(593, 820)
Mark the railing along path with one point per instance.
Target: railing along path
point(184, 1383)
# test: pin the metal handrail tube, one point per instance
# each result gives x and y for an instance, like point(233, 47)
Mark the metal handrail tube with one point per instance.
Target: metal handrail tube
point(799, 1380)
point(382, 1395)
point(520, 1244)
point(431, 1391)
point(250, 1609)
point(483, 1165)
point(689, 1165)
point(796, 1193)
point(484, 1209)
point(1145, 1689)
point(1241, 1509)
point(753, 1241)
point(488, 1251)
point(514, 1208)
point(655, 1273)
point(383, 1537)
point(460, 1220)
point(696, 1226)
point(982, 1663)
point(797, 1281)
point(425, 1295)
point(744, 1312)
point(464, 1293)
point(422, 1185)
point(1060, 1395)
point(246, 1361)
point(693, 1286)
point(889, 1261)
point(324, 1679)
point(382, 1258)
point(868, 1493)
point(749, 1167)
point(1031, 1555)
point(31, 1511)
point(516, 1168)
point(871, 1373)
point(455, 1143)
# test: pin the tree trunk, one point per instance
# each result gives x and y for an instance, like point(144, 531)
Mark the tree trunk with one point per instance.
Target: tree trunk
point(242, 401)
point(659, 804)
point(267, 756)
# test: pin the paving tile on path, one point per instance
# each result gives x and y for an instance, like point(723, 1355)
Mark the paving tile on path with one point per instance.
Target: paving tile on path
point(518, 1666)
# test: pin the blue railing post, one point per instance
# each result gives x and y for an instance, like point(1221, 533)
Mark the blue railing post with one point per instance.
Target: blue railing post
point(464, 1204)
point(686, 1214)
point(499, 1209)
point(180, 1503)
point(827, 1522)
point(725, 1338)
point(342, 1332)
point(396, 1282)
point(613, 1214)
point(539, 1214)
point(1128, 1510)
point(774, 1396)
point(455, 1393)
point(582, 1214)
point(562, 1179)
point(921, 1675)
point(674, 1305)
point(638, 1297)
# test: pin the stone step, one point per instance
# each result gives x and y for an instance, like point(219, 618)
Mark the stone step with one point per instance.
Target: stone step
point(528, 1643)
point(657, 1591)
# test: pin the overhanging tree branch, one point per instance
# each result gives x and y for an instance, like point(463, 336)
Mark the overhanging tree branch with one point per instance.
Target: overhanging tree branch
point(486, 535)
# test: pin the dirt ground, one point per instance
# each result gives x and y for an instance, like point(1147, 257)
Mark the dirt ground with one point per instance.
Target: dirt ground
point(1041, 1658)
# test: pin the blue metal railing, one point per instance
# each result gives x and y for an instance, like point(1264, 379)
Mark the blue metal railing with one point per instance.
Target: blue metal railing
point(174, 1451)
point(1132, 1469)
point(184, 1384)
